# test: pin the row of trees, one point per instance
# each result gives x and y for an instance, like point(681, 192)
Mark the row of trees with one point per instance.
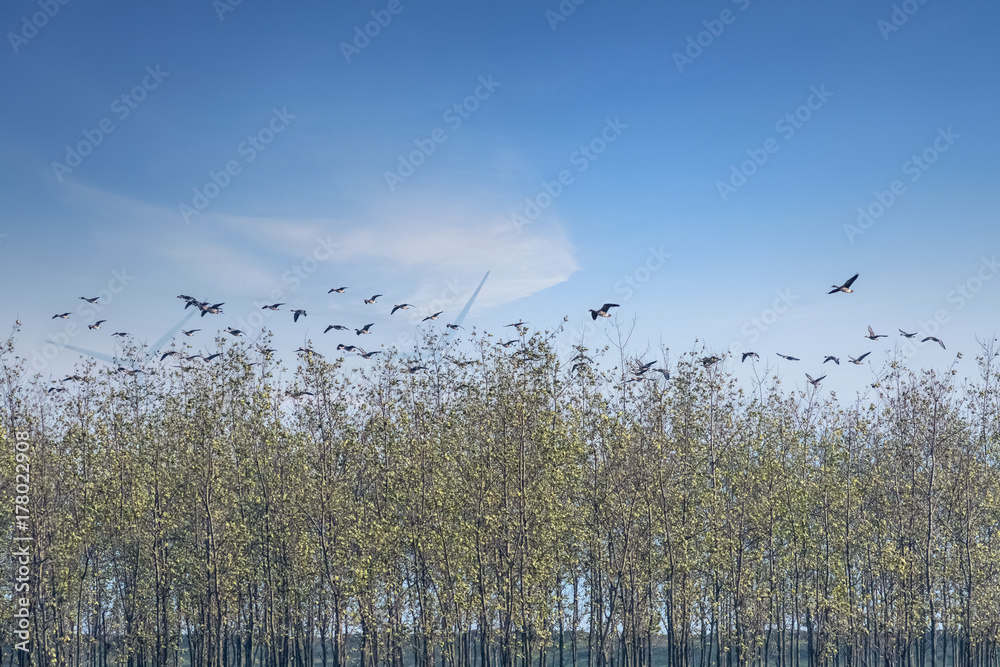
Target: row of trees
point(501, 509)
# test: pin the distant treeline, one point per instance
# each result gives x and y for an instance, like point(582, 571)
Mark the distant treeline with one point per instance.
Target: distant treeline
point(499, 509)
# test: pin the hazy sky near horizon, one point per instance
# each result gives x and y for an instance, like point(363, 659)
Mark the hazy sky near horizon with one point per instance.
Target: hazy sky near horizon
point(712, 167)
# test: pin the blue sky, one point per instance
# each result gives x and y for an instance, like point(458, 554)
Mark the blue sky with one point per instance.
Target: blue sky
point(646, 110)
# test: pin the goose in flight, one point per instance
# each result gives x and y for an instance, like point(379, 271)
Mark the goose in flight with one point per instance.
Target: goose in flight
point(272, 306)
point(602, 311)
point(96, 325)
point(56, 389)
point(373, 299)
point(907, 335)
point(846, 287)
point(874, 336)
point(308, 351)
point(662, 371)
point(516, 324)
point(72, 377)
point(832, 358)
point(401, 306)
point(121, 334)
point(298, 394)
point(508, 343)
point(785, 356)
point(298, 312)
point(749, 354)
point(338, 290)
point(857, 362)
point(813, 382)
point(414, 369)
point(708, 361)
point(214, 309)
point(582, 357)
point(347, 348)
point(233, 332)
point(211, 356)
point(369, 355)
point(336, 327)
point(642, 368)
point(62, 316)
point(455, 327)
point(170, 353)
point(433, 317)
point(365, 329)
point(189, 332)
point(936, 340)
point(90, 299)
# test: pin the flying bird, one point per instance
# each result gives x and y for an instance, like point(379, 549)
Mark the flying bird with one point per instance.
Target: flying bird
point(90, 299)
point(347, 348)
point(708, 361)
point(813, 382)
point(233, 332)
point(211, 356)
point(516, 324)
point(456, 327)
point(364, 329)
point(401, 306)
point(297, 313)
point(298, 394)
point(96, 325)
point(61, 315)
point(832, 358)
point(749, 354)
point(338, 290)
point(369, 355)
point(307, 350)
point(857, 362)
point(874, 336)
point(907, 335)
point(122, 334)
point(56, 389)
point(373, 299)
point(433, 317)
point(414, 369)
point(273, 306)
point(337, 327)
point(189, 332)
point(602, 311)
point(936, 340)
point(168, 354)
point(846, 287)
point(214, 309)
point(785, 356)
point(509, 343)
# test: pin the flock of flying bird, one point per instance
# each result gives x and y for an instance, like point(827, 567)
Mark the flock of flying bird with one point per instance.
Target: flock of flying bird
point(639, 370)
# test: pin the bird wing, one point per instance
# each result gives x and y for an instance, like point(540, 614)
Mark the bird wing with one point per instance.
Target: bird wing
point(850, 281)
point(863, 356)
point(871, 332)
point(606, 306)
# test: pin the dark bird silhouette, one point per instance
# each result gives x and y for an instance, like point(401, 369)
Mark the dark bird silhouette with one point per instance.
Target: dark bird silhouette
point(433, 317)
point(90, 299)
point(96, 325)
point(373, 299)
point(602, 311)
point(189, 332)
point(832, 358)
point(338, 290)
point(233, 332)
point(298, 394)
point(414, 369)
point(273, 306)
point(907, 335)
point(337, 327)
point(857, 362)
point(401, 306)
point(936, 340)
point(306, 350)
point(347, 348)
point(211, 356)
point(364, 329)
point(168, 354)
point(813, 382)
point(56, 389)
point(749, 354)
point(846, 287)
point(298, 312)
point(516, 324)
point(456, 327)
point(122, 334)
point(369, 355)
point(214, 309)
point(874, 336)
point(708, 361)
point(508, 343)
point(785, 356)
point(61, 315)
